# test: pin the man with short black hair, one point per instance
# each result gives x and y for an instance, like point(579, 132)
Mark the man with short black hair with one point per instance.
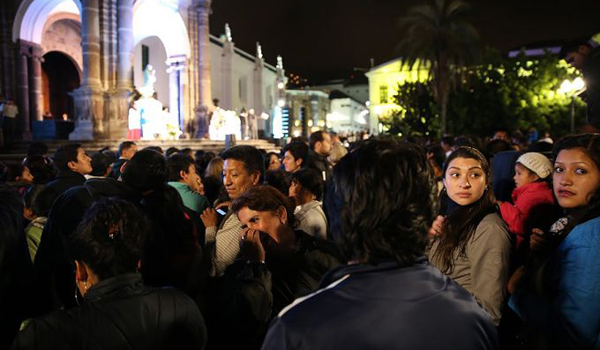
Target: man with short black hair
point(243, 169)
point(183, 177)
point(100, 166)
point(585, 57)
point(127, 150)
point(72, 163)
point(389, 297)
point(295, 156)
point(447, 144)
point(320, 149)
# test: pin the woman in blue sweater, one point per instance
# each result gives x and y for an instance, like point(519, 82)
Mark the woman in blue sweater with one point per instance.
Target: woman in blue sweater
point(559, 297)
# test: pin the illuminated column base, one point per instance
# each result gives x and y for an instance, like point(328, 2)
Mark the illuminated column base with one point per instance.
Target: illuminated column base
point(117, 109)
point(89, 111)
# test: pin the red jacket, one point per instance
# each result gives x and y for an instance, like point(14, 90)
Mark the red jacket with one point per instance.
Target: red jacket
point(533, 203)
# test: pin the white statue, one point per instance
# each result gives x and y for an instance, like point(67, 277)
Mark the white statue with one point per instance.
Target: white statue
point(147, 90)
point(228, 33)
point(279, 62)
point(259, 50)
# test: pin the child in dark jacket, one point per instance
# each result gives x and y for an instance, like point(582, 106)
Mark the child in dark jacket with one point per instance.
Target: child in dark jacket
point(533, 202)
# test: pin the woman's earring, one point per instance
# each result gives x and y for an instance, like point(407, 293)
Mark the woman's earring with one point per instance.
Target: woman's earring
point(77, 295)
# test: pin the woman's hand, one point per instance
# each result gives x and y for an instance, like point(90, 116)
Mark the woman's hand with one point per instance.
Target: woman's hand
point(209, 217)
point(436, 227)
point(223, 205)
point(250, 245)
point(536, 239)
point(514, 280)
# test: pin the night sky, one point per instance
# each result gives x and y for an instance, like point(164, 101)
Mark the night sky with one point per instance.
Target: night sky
point(326, 39)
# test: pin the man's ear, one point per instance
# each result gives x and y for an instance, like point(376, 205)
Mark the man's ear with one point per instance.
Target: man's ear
point(182, 174)
point(299, 161)
point(80, 271)
point(71, 165)
point(282, 213)
point(255, 176)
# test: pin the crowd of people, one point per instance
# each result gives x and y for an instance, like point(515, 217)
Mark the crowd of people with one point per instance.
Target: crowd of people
point(385, 244)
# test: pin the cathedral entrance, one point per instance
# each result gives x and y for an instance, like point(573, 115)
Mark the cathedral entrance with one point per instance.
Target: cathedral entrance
point(59, 77)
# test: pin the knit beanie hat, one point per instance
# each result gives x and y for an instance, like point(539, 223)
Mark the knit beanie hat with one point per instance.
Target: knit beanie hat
point(536, 162)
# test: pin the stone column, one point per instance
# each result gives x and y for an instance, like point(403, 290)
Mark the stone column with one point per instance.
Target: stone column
point(116, 105)
point(90, 43)
point(259, 63)
point(125, 40)
point(203, 10)
point(23, 91)
point(176, 67)
point(7, 55)
point(227, 86)
point(35, 83)
point(89, 98)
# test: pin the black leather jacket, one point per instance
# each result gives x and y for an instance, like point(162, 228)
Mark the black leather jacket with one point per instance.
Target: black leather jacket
point(120, 313)
point(249, 295)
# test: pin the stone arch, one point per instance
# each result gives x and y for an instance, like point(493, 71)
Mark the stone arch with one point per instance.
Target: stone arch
point(161, 18)
point(62, 33)
point(33, 15)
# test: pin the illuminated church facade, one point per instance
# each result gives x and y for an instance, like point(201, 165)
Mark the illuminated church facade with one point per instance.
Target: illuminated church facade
point(83, 59)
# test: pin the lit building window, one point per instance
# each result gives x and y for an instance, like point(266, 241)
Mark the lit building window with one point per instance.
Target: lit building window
point(383, 94)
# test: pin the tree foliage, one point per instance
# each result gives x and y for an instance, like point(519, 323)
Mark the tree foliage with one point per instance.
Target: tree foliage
point(512, 93)
point(436, 34)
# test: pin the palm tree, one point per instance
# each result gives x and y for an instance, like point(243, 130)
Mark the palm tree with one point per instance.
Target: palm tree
point(437, 36)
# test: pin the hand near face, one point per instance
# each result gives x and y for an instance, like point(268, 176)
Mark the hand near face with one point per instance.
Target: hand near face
point(209, 217)
point(250, 245)
point(436, 227)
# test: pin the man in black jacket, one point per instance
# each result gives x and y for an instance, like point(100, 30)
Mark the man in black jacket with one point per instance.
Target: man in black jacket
point(72, 163)
point(127, 149)
point(320, 148)
point(389, 297)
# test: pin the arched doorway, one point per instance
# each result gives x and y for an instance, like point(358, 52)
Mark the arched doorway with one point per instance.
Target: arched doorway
point(152, 51)
point(59, 77)
point(170, 39)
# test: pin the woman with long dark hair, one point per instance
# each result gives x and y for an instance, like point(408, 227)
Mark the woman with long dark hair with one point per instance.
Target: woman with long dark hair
point(559, 295)
point(472, 243)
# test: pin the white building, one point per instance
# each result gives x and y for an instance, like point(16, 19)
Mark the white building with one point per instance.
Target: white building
point(347, 115)
point(103, 48)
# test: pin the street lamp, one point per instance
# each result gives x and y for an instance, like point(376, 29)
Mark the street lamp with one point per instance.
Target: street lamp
point(572, 88)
